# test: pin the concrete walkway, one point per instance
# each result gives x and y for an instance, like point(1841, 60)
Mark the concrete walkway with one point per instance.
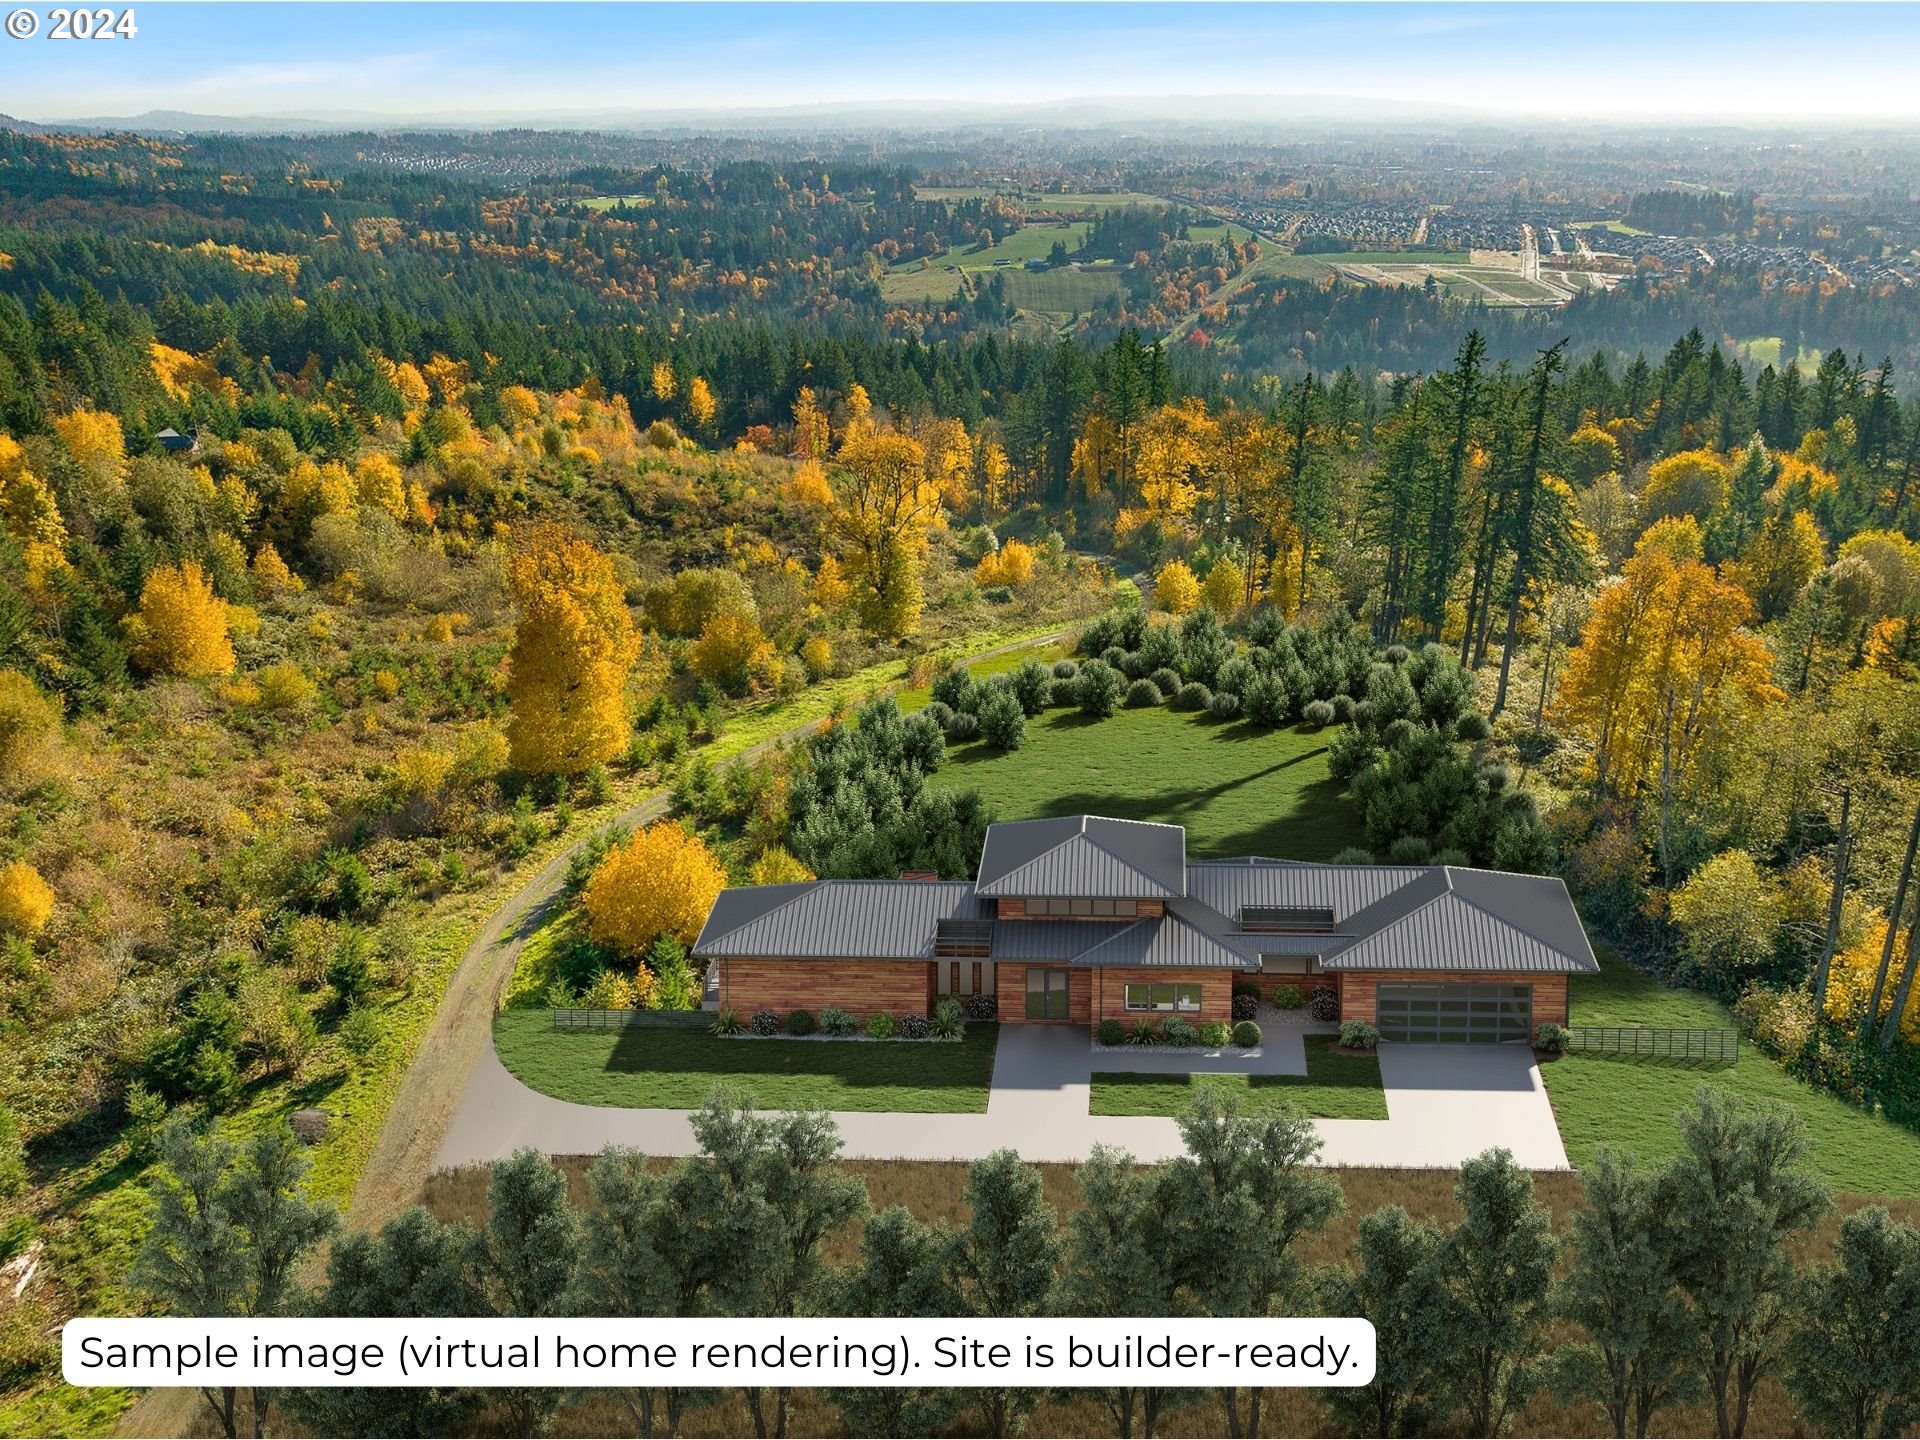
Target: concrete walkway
point(1445, 1103)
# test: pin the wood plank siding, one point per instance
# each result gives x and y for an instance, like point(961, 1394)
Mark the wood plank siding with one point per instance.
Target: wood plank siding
point(900, 987)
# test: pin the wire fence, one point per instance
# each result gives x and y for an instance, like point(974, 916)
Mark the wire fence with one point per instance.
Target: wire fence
point(1647, 1042)
point(625, 1019)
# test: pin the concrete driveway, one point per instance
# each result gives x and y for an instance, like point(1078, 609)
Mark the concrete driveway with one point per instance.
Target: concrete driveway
point(1445, 1103)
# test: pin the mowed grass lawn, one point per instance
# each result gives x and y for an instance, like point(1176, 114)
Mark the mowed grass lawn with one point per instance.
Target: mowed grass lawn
point(1335, 1087)
point(649, 1068)
point(1239, 789)
point(1630, 1104)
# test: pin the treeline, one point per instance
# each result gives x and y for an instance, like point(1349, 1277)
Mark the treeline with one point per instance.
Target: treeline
point(1671, 1285)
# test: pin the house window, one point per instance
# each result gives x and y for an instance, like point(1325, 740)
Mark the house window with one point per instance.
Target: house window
point(1094, 909)
point(1163, 997)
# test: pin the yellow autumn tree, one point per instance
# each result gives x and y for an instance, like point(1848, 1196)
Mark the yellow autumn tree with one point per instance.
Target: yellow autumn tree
point(94, 440)
point(520, 405)
point(1011, 564)
point(1174, 588)
point(29, 723)
point(883, 504)
point(1665, 664)
point(1226, 587)
point(1782, 557)
point(1171, 456)
point(778, 865)
point(572, 651)
point(409, 384)
point(808, 484)
point(811, 434)
point(1591, 453)
point(728, 651)
point(830, 588)
point(664, 385)
point(1694, 482)
point(271, 574)
point(701, 406)
point(182, 625)
point(26, 900)
point(1850, 986)
point(659, 881)
point(31, 516)
point(381, 485)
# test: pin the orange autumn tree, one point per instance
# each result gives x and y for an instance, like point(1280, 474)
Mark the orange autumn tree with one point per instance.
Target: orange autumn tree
point(659, 881)
point(1664, 665)
point(572, 651)
point(182, 625)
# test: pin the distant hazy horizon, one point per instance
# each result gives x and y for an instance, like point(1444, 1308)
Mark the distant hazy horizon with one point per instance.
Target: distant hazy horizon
point(588, 65)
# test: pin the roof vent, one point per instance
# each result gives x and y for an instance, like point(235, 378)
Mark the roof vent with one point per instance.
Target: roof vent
point(1280, 919)
point(963, 939)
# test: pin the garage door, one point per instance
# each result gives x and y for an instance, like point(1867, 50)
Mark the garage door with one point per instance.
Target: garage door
point(1455, 1014)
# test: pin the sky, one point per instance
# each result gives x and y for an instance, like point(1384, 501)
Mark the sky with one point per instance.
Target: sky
point(1552, 61)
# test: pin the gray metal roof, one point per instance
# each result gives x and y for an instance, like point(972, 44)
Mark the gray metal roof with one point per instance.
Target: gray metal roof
point(1387, 917)
point(834, 919)
point(1084, 856)
point(1170, 942)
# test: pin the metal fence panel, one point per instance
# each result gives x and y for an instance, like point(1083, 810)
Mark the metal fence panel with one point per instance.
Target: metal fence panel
point(1711, 1046)
point(589, 1020)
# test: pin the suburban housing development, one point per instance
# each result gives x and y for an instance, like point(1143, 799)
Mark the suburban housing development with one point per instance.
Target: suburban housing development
point(1082, 918)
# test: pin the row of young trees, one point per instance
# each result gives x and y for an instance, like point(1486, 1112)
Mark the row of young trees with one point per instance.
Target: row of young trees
point(1667, 1285)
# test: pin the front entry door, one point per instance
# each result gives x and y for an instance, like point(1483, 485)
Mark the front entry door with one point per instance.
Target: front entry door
point(1046, 994)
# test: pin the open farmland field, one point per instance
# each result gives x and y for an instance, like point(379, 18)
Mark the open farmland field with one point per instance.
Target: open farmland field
point(1062, 292)
point(1467, 278)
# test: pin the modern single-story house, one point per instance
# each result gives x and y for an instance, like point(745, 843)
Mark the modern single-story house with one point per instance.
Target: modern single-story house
point(1081, 918)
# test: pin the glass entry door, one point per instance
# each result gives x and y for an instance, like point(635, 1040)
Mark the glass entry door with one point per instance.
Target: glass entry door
point(1046, 994)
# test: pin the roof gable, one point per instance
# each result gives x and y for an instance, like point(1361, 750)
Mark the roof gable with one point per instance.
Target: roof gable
point(1084, 856)
point(877, 919)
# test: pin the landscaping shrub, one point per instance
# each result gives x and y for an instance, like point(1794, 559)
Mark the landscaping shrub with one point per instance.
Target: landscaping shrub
point(983, 1007)
point(725, 1022)
point(1411, 850)
point(1323, 1004)
point(835, 1021)
point(765, 1022)
point(949, 1021)
point(1343, 709)
point(1096, 689)
point(939, 712)
point(1143, 1033)
point(1224, 705)
point(1287, 997)
point(1317, 713)
point(1246, 1034)
point(1245, 1007)
point(1032, 686)
point(956, 690)
point(914, 1026)
point(1266, 701)
point(1115, 656)
point(1353, 855)
point(1215, 1033)
point(1141, 694)
point(1192, 696)
point(962, 728)
point(1111, 1032)
point(1551, 1038)
point(1397, 654)
point(1134, 665)
point(1397, 732)
point(1498, 777)
point(1003, 721)
point(1166, 680)
point(1358, 1035)
point(1175, 1031)
point(1234, 674)
point(800, 1022)
point(880, 1025)
point(1065, 669)
point(1472, 727)
point(1246, 987)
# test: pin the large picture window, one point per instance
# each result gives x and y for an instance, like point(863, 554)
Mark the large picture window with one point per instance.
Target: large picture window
point(1163, 997)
